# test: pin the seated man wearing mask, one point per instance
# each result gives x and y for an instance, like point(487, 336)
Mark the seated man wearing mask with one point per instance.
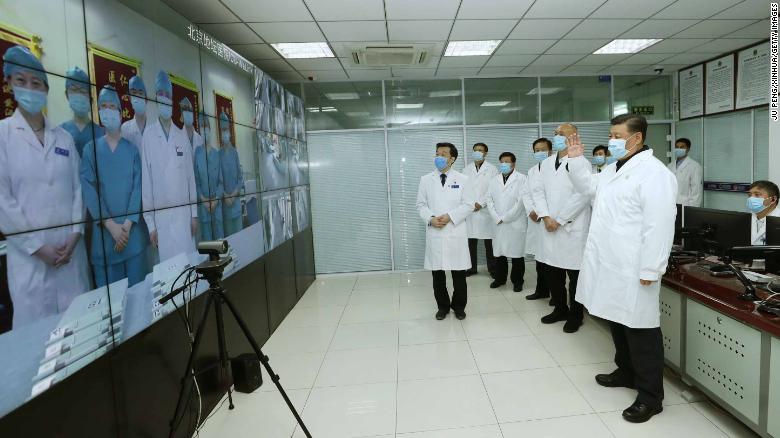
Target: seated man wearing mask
point(762, 202)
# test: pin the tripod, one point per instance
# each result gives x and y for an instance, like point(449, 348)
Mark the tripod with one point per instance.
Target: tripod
point(212, 271)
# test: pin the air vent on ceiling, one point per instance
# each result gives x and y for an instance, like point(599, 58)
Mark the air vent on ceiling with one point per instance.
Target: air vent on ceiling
point(390, 55)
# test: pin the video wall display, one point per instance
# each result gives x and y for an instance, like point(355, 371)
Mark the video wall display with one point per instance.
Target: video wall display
point(127, 136)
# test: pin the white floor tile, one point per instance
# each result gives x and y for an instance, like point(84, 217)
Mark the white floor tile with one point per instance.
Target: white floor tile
point(428, 361)
point(350, 411)
point(334, 283)
point(488, 305)
point(378, 281)
point(290, 340)
point(501, 325)
point(295, 371)
point(580, 426)
point(425, 309)
point(520, 304)
point(244, 422)
point(413, 279)
point(324, 298)
point(491, 431)
point(427, 331)
point(510, 354)
point(354, 367)
point(417, 293)
point(368, 313)
point(534, 394)
point(312, 316)
point(680, 421)
point(584, 347)
point(723, 420)
point(443, 403)
point(375, 335)
point(377, 297)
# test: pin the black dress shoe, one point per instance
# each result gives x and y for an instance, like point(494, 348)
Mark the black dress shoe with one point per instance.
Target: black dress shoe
point(554, 317)
point(536, 295)
point(572, 325)
point(518, 288)
point(460, 314)
point(640, 412)
point(471, 272)
point(441, 314)
point(614, 380)
point(496, 284)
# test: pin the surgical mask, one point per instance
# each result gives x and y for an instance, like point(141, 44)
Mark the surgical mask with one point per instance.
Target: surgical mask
point(611, 160)
point(165, 107)
point(505, 168)
point(617, 148)
point(110, 119)
point(598, 160)
point(541, 156)
point(477, 156)
point(32, 101)
point(559, 143)
point(680, 152)
point(79, 103)
point(755, 205)
point(139, 105)
point(226, 137)
point(440, 163)
point(188, 117)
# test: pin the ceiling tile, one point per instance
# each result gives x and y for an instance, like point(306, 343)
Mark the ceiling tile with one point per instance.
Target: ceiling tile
point(344, 49)
point(255, 51)
point(341, 10)
point(601, 59)
point(500, 71)
point(542, 29)
point(203, 11)
point(573, 47)
point(413, 73)
point(688, 58)
point(457, 72)
point(757, 30)
point(325, 75)
point(659, 28)
point(463, 61)
point(493, 9)
point(235, 33)
point(542, 69)
point(286, 76)
point(553, 60)
point(675, 45)
point(511, 60)
point(694, 9)
point(270, 65)
point(601, 28)
point(623, 69)
point(630, 8)
point(427, 30)
point(645, 58)
point(563, 8)
point(269, 10)
point(354, 30)
point(723, 45)
point(584, 69)
point(713, 28)
point(750, 9)
point(348, 63)
point(524, 47)
point(421, 10)
point(369, 74)
point(315, 64)
point(471, 30)
point(289, 32)
point(668, 68)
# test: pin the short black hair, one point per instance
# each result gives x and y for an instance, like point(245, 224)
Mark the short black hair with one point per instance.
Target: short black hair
point(453, 149)
point(683, 140)
point(480, 144)
point(508, 154)
point(767, 186)
point(634, 122)
point(600, 147)
point(542, 140)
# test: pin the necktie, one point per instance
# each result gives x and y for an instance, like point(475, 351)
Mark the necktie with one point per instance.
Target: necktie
point(443, 177)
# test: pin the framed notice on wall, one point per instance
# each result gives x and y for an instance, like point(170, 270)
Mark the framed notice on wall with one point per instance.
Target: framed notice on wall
point(691, 83)
point(184, 88)
point(719, 85)
point(753, 76)
point(107, 67)
point(224, 103)
point(9, 37)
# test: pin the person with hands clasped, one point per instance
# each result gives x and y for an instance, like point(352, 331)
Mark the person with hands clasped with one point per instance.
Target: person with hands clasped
point(625, 256)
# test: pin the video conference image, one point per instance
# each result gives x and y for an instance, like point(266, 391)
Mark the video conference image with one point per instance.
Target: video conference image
point(121, 148)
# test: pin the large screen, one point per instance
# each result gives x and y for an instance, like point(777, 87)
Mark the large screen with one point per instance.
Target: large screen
point(127, 136)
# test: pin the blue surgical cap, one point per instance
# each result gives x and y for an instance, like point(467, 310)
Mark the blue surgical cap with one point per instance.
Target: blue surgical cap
point(109, 95)
point(76, 77)
point(21, 58)
point(163, 83)
point(136, 83)
point(185, 101)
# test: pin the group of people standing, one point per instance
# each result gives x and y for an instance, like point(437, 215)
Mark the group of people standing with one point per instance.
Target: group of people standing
point(606, 226)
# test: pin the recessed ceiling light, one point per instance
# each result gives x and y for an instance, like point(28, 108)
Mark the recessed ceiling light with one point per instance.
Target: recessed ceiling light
point(313, 109)
point(303, 50)
point(543, 90)
point(625, 46)
point(408, 105)
point(511, 108)
point(496, 103)
point(444, 93)
point(328, 109)
point(471, 48)
point(342, 96)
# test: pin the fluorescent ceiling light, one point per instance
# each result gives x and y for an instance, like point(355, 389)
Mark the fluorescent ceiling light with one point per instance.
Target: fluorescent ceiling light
point(342, 96)
point(357, 113)
point(471, 48)
point(328, 109)
point(496, 103)
point(408, 105)
point(444, 93)
point(511, 108)
point(543, 91)
point(303, 50)
point(313, 109)
point(625, 46)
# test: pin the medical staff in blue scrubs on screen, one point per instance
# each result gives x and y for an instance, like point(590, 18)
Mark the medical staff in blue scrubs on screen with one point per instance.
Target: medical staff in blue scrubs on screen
point(111, 184)
point(233, 179)
point(208, 180)
point(81, 127)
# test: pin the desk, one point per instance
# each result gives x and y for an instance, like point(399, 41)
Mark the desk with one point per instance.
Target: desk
point(723, 345)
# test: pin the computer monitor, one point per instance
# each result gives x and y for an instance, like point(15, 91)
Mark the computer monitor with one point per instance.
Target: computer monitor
point(678, 224)
point(721, 229)
point(773, 239)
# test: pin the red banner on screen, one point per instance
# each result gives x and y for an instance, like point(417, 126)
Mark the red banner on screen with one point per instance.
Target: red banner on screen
point(225, 104)
point(109, 68)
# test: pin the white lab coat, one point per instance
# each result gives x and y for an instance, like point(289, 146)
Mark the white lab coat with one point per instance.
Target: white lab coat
point(479, 224)
point(167, 181)
point(758, 228)
point(630, 238)
point(505, 205)
point(690, 182)
point(446, 248)
point(132, 133)
point(40, 189)
point(554, 196)
point(535, 229)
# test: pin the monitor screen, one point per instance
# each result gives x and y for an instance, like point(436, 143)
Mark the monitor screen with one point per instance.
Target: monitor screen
point(721, 229)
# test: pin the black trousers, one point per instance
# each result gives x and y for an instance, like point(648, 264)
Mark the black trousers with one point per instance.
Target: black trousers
point(639, 356)
point(541, 283)
point(518, 270)
point(459, 295)
point(491, 261)
point(556, 281)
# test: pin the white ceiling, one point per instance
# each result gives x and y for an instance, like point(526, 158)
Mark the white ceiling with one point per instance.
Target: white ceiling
point(541, 37)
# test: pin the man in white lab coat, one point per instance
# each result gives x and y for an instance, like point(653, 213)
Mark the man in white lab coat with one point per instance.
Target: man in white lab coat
point(505, 204)
point(444, 202)
point(479, 223)
point(566, 216)
point(133, 129)
point(626, 255)
point(761, 202)
point(168, 181)
point(690, 180)
point(542, 149)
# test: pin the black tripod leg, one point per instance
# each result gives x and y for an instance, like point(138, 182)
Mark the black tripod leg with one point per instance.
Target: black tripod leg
point(264, 360)
point(190, 360)
point(223, 353)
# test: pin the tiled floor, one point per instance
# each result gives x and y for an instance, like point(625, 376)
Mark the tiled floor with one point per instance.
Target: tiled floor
point(362, 356)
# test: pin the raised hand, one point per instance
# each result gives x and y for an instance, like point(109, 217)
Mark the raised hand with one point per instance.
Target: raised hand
point(576, 148)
